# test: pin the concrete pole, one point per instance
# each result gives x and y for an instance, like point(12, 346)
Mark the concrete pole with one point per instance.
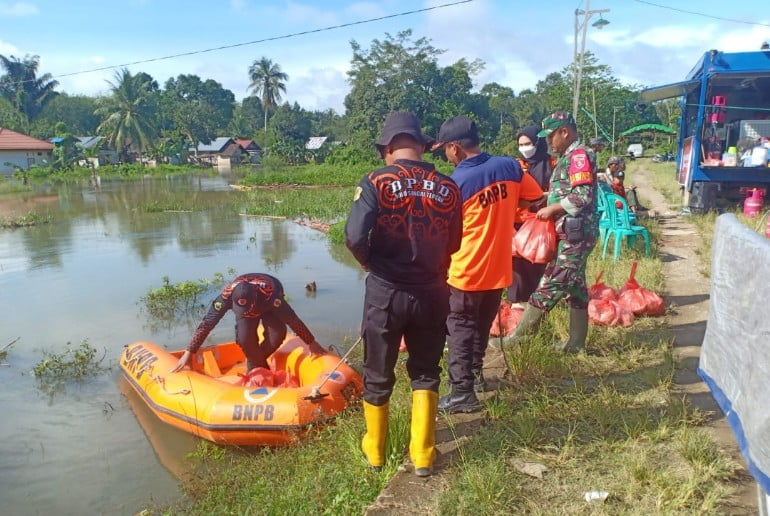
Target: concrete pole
point(579, 73)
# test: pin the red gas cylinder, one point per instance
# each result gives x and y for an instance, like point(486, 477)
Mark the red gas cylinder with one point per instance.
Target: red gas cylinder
point(752, 205)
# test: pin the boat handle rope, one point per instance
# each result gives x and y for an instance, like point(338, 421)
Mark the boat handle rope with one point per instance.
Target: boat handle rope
point(160, 380)
point(315, 392)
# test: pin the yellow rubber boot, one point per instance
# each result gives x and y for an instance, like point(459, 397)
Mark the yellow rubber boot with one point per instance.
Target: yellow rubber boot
point(373, 443)
point(422, 444)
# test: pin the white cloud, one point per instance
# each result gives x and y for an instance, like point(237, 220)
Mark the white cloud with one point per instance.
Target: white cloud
point(18, 9)
point(96, 59)
point(8, 49)
point(238, 5)
point(319, 88)
point(301, 13)
point(365, 10)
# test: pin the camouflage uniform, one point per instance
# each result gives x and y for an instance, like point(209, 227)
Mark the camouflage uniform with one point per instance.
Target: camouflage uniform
point(573, 183)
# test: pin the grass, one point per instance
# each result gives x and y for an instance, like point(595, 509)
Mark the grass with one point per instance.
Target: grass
point(305, 175)
point(158, 206)
point(605, 420)
point(327, 204)
point(326, 474)
point(172, 300)
point(7, 187)
point(125, 171)
point(5, 349)
point(30, 219)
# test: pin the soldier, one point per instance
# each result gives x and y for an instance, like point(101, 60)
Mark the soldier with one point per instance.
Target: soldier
point(572, 205)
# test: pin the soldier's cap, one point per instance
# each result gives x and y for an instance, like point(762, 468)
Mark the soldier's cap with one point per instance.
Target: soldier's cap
point(597, 141)
point(456, 129)
point(614, 160)
point(243, 297)
point(554, 121)
point(402, 122)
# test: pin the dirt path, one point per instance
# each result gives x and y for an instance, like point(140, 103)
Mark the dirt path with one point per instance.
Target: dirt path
point(687, 290)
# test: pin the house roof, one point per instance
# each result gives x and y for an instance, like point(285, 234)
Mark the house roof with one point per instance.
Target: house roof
point(315, 142)
point(216, 145)
point(88, 141)
point(11, 140)
point(247, 144)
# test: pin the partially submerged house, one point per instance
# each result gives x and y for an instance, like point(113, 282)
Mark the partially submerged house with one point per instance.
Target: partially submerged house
point(19, 151)
point(222, 148)
point(251, 148)
point(105, 155)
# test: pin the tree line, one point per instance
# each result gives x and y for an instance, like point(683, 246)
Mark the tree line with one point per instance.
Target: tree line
point(398, 72)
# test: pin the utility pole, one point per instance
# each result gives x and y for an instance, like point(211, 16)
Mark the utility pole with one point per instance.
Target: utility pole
point(614, 110)
point(578, 66)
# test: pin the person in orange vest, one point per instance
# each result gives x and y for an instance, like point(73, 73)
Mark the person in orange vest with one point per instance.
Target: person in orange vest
point(492, 188)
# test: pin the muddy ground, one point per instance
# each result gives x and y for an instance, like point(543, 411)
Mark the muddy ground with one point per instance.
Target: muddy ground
point(687, 293)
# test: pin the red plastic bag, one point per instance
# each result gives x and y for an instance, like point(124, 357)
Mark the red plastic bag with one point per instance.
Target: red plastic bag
point(535, 241)
point(263, 377)
point(608, 312)
point(601, 290)
point(638, 299)
point(506, 320)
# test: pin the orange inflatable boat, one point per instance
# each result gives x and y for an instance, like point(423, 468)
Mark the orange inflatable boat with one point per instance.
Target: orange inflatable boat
point(208, 401)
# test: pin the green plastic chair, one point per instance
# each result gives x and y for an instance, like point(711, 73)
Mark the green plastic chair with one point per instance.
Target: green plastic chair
point(621, 228)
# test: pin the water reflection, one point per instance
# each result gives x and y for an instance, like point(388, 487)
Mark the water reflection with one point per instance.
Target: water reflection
point(81, 277)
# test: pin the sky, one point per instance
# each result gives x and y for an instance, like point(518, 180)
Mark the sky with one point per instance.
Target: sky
point(519, 42)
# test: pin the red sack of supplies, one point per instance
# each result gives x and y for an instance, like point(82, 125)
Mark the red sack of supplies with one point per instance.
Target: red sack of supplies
point(506, 320)
point(263, 377)
point(601, 290)
point(638, 299)
point(608, 312)
point(535, 241)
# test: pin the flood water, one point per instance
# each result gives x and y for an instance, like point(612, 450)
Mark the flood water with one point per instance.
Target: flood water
point(94, 448)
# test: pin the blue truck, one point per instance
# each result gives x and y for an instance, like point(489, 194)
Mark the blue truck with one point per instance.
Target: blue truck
point(725, 118)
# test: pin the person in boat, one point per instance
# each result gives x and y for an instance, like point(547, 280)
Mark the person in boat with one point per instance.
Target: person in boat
point(254, 298)
point(403, 226)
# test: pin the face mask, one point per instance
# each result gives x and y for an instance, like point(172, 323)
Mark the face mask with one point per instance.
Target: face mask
point(527, 150)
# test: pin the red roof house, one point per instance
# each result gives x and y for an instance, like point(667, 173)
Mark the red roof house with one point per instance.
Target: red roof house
point(21, 151)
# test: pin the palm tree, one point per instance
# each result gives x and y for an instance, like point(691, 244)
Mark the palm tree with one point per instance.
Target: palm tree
point(23, 88)
point(267, 82)
point(128, 113)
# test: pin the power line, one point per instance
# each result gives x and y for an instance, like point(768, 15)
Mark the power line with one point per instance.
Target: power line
point(702, 14)
point(273, 38)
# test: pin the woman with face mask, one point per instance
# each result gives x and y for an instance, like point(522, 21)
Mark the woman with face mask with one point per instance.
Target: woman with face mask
point(535, 161)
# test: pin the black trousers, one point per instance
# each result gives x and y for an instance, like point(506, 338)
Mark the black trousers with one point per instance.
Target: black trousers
point(418, 314)
point(470, 317)
point(526, 277)
point(247, 338)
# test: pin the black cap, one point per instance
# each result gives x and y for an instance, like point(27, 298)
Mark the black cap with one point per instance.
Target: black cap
point(243, 297)
point(598, 141)
point(402, 122)
point(619, 173)
point(458, 128)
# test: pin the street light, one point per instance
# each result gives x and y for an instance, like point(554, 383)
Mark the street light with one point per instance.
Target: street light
point(614, 110)
point(600, 23)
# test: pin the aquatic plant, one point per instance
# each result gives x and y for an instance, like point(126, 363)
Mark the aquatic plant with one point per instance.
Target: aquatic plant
point(30, 219)
point(178, 299)
point(74, 363)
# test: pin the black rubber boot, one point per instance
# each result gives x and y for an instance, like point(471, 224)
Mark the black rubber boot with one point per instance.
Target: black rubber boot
point(458, 402)
point(578, 331)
